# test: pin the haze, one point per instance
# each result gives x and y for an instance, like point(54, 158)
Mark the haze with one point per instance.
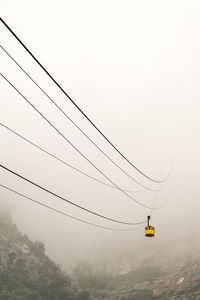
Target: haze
point(134, 68)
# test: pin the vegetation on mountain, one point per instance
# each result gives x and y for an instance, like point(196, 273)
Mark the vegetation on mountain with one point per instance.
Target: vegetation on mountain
point(26, 272)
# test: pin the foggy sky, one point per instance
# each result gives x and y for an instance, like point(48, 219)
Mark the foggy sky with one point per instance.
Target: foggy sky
point(134, 68)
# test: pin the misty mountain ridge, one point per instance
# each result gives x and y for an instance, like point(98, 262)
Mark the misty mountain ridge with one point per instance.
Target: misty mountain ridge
point(26, 272)
point(156, 277)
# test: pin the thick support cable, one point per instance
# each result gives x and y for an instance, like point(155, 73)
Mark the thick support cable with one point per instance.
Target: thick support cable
point(68, 201)
point(64, 162)
point(67, 215)
point(89, 161)
point(78, 127)
point(84, 114)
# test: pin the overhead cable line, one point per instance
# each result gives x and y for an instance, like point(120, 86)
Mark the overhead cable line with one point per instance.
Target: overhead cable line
point(87, 159)
point(76, 105)
point(67, 215)
point(68, 201)
point(74, 123)
point(64, 162)
point(154, 203)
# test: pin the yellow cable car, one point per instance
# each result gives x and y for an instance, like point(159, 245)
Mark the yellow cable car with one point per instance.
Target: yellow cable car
point(149, 230)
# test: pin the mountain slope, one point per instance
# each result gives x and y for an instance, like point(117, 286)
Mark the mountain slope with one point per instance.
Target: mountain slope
point(26, 272)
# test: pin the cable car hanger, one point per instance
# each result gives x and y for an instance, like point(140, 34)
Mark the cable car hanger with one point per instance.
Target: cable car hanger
point(149, 230)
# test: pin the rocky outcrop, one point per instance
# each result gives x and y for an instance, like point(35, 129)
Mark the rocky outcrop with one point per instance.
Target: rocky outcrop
point(175, 277)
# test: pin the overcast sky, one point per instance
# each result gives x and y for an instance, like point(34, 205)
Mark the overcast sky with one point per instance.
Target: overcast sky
point(134, 68)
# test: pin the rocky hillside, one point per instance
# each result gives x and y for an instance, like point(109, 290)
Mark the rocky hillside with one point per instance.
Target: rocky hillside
point(26, 272)
point(181, 283)
point(160, 276)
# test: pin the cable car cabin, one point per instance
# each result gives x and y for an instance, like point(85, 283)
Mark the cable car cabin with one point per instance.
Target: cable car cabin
point(149, 230)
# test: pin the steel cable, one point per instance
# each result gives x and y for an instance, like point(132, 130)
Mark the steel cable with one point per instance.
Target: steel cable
point(102, 173)
point(81, 111)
